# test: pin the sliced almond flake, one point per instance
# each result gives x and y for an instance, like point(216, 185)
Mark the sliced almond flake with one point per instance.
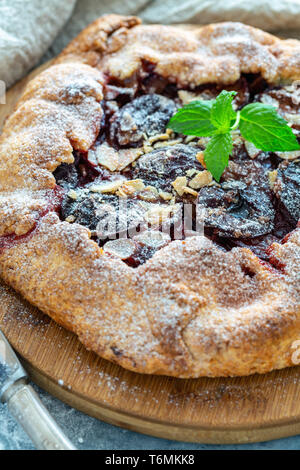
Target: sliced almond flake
point(157, 137)
point(107, 187)
point(128, 122)
point(191, 172)
point(290, 88)
point(128, 156)
point(189, 139)
point(131, 187)
point(121, 193)
point(72, 194)
point(112, 159)
point(158, 214)
point(236, 137)
point(272, 178)
point(293, 118)
point(144, 205)
point(203, 141)
point(147, 148)
point(214, 183)
point(188, 96)
point(267, 99)
point(123, 247)
point(179, 184)
point(159, 145)
point(153, 238)
point(71, 218)
point(288, 155)
point(252, 151)
point(150, 193)
point(105, 155)
point(203, 178)
point(190, 191)
point(112, 105)
point(193, 144)
point(165, 195)
point(200, 158)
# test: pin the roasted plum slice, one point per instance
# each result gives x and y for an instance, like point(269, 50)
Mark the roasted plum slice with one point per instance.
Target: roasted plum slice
point(148, 242)
point(148, 114)
point(66, 175)
point(256, 203)
point(79, 173)
point(287, 189)
point(241, 213)
point(106, 215)
point(242, 207)
point(111, 216)
point(162, 166)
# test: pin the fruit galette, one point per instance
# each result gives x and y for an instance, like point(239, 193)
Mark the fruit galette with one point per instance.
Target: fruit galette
point(169, 250)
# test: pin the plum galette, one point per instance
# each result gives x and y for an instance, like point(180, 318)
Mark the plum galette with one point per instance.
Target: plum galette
point(167, 251)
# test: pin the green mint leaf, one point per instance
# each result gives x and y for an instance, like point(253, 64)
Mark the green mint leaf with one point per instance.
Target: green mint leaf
point(261, 125)
point(193, 119)
point(222, 112)
point(217, 153)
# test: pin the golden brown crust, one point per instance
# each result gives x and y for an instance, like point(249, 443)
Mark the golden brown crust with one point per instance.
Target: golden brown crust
point(216, 53)
point(227, 315)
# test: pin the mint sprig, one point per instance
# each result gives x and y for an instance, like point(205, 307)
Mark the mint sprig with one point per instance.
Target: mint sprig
point(259, 123)
point(194, 119)
point(218, 150)
point(222, 112)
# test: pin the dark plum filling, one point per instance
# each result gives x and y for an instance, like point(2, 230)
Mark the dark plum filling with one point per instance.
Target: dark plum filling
point(287, 190)
point(162, 166)
point(131, 187)
point(148, 114)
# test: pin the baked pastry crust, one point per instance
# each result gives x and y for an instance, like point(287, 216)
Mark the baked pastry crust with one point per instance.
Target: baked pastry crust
point(192, 309)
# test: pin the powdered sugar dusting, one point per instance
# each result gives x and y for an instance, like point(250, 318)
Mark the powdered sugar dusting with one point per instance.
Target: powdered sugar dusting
point(192, 309)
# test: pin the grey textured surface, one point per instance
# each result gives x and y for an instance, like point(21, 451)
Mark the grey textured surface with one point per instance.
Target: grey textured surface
point(88, 433)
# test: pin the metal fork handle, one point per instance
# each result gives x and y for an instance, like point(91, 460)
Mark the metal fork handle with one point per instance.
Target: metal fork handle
point(27, 408)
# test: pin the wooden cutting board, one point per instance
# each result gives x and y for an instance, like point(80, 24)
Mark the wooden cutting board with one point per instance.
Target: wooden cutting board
point(237, 410)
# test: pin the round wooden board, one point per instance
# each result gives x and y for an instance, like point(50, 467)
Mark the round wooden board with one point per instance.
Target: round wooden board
point(237, 410)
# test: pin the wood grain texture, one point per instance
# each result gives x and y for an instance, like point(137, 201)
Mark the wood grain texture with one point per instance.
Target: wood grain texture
point(238, 410)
